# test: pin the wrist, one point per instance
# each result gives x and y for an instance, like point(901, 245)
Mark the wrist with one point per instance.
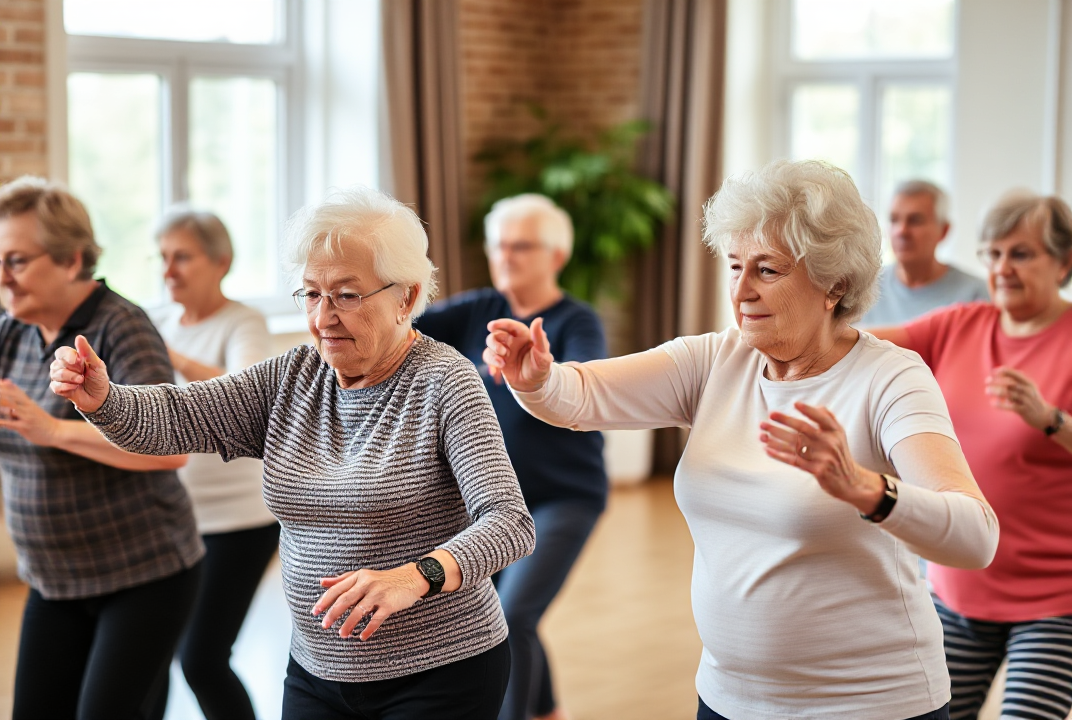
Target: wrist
point(420, 583)
point(872, 491)
point(1055, 420)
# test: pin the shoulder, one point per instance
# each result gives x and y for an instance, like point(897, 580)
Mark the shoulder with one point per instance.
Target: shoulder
point(711, 349)
point(235, 314)
point(121, 320)
point(432, 358)
point(162, 315)
point(960, 278)
point(575, 310)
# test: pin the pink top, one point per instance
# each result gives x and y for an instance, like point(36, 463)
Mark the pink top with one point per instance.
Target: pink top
point(1026, 476)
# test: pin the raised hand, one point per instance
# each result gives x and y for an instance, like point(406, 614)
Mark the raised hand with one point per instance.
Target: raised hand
point(80, 376)
point(518, 353)
point(1011, 390)
point(822, 449)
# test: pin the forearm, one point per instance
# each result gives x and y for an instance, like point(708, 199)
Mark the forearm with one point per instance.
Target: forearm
point(81, 438)
point(500, 536)
point(949, 528)
point(1063, 436)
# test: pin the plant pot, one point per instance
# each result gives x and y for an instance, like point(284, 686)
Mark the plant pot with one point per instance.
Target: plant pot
point(627, 455)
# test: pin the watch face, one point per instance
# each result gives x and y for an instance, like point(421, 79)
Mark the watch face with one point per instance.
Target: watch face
point(432, 570)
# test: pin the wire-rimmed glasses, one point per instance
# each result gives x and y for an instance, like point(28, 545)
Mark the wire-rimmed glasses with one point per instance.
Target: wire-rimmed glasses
point(309, 300)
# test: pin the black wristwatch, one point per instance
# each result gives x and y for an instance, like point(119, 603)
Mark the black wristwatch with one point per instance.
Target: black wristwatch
point(1058, 421)
point(432, 571)
point(885, 507)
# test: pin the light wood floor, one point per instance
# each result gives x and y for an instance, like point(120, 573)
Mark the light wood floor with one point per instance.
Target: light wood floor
point(621, 636)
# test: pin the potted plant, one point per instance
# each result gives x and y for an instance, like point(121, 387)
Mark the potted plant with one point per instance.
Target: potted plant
point(616, 213)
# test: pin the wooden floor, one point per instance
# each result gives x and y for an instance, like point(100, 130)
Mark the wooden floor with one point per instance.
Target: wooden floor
point(621, 636)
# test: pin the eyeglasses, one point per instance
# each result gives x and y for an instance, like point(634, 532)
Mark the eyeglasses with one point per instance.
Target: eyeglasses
point(1017, 257)
point(309, 300)
point(521, 248)
point(16, 264)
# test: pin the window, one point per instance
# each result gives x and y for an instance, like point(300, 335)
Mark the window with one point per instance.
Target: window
point(193, 102)
point(868, 86)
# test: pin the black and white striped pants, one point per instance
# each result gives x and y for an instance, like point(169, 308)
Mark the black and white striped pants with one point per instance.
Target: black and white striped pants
point(1039, 684)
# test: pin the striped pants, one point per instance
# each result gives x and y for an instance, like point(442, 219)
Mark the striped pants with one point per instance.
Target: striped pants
point(1039, 684)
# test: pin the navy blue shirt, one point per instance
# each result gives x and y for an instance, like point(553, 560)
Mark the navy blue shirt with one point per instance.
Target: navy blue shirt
point(551, 463)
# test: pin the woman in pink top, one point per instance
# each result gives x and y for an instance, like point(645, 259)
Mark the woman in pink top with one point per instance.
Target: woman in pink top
point(1006, 372)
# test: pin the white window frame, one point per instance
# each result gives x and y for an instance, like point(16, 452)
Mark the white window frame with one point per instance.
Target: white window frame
point(869, 76)
point(176, 62)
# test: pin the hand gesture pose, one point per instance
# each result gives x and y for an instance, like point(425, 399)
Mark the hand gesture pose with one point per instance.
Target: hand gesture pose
point(821, 448)
point(1010, 389)
point(80, 376)
point(518, 353)
point(374, 595)
point(20, 413)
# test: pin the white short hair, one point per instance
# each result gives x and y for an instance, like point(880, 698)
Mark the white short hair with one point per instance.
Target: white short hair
point(926, 187)
point(813, 211)
point(555, 226)
point(361, 215)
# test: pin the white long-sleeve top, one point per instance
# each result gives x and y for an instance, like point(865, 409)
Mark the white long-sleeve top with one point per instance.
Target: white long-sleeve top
point(805, 610)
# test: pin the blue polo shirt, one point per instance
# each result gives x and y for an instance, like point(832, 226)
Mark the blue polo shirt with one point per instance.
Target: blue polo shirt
point(551, 463)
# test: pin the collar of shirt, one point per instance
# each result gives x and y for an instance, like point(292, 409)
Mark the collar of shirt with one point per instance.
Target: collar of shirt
point(79, 319)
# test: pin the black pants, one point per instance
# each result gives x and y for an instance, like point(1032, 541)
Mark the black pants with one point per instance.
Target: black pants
point(526, 588)
point(469, 689)
point(101, 658)
point(233, 567)
point(942, 713)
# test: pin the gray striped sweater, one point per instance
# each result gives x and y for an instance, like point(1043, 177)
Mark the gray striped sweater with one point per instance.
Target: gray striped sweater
point(367, 478)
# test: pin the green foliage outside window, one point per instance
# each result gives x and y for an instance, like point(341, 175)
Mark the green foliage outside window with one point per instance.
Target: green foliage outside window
point(616, 212)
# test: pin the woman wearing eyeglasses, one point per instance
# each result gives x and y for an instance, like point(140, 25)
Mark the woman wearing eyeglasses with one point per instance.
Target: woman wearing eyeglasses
point(105, 539)
point(383, 463)
point(209, 335)
point(1006, 373)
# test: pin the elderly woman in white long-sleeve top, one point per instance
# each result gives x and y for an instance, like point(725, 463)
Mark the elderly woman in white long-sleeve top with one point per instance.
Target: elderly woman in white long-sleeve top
point(820, 465)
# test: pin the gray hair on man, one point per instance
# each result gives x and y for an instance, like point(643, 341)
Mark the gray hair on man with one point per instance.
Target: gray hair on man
point(555, 226)
point(363, 216)
point(1050, 214)
point(207, 227)
point(926, 187)
point(814, 212)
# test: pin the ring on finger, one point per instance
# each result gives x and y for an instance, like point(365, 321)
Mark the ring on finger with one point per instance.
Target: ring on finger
point(803, 451)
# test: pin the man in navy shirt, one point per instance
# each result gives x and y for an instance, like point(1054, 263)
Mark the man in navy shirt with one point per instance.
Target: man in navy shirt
point(528, 241)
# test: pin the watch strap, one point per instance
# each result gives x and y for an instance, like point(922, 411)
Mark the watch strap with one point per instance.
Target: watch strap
point(1058, 421)
point(885, 506)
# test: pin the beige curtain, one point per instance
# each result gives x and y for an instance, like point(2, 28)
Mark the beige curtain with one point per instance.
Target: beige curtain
point(421, 141)
point(682, 96)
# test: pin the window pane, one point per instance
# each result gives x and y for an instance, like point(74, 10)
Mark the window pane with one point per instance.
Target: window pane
point(236, 21)
point(825, 124)
point(915, 137)
point(838, 29)
point(234, 173)
point(114, 126)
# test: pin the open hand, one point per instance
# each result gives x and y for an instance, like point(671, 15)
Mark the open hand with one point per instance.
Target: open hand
point(1010, 389)
point(373, 594)
point(80, 376)
point(20, 413)
point(821, 448)
point(518, 353)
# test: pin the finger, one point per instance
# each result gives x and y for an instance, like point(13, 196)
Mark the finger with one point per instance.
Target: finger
point(64, 390)
point(360, 614)
point(801, 426)
point(511, 327)
point(789, 437)
point(374, 623)
point(539, 338)
point(500, 343)
point(345, 601)
point(791, 458)
point(85, 352)
point(820, 415)
point(69, 377)
point(1014, 374)
point(329, 597)
point(68, 355)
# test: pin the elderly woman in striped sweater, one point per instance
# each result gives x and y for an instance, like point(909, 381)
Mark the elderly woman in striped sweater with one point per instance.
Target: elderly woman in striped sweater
point(383, 462)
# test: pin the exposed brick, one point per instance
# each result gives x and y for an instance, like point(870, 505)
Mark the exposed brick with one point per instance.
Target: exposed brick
point(30, 78)
point(22, 57)
point(31, 11)
point(28, 35)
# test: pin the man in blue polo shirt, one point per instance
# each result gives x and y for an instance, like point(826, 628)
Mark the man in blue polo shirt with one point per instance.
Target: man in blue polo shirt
point(528, 241)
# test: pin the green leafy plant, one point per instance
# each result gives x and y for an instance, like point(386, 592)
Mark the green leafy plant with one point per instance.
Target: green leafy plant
point(616, 212)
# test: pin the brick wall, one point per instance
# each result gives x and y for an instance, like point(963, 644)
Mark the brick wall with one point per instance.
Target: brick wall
point(579, 59)
point(22, 89)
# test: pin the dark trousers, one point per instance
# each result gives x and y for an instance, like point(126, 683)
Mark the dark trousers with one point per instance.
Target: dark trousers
point(527, 588)
point(101, 658)
point(233, 567)
point(942, 713)
point(469, 689)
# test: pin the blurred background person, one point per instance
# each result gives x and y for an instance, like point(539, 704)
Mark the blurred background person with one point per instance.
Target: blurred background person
point(216, 336)
point(528, 240)
point(383, 462)
point(917, 282)
point(798, 423)
point(106, 539)
point(1006, 373)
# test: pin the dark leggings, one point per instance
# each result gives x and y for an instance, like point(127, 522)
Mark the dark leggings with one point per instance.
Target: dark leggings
point(469, 689)
point(233, 567)
point(942, 713)
point(526, 588)
point(101, 658)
